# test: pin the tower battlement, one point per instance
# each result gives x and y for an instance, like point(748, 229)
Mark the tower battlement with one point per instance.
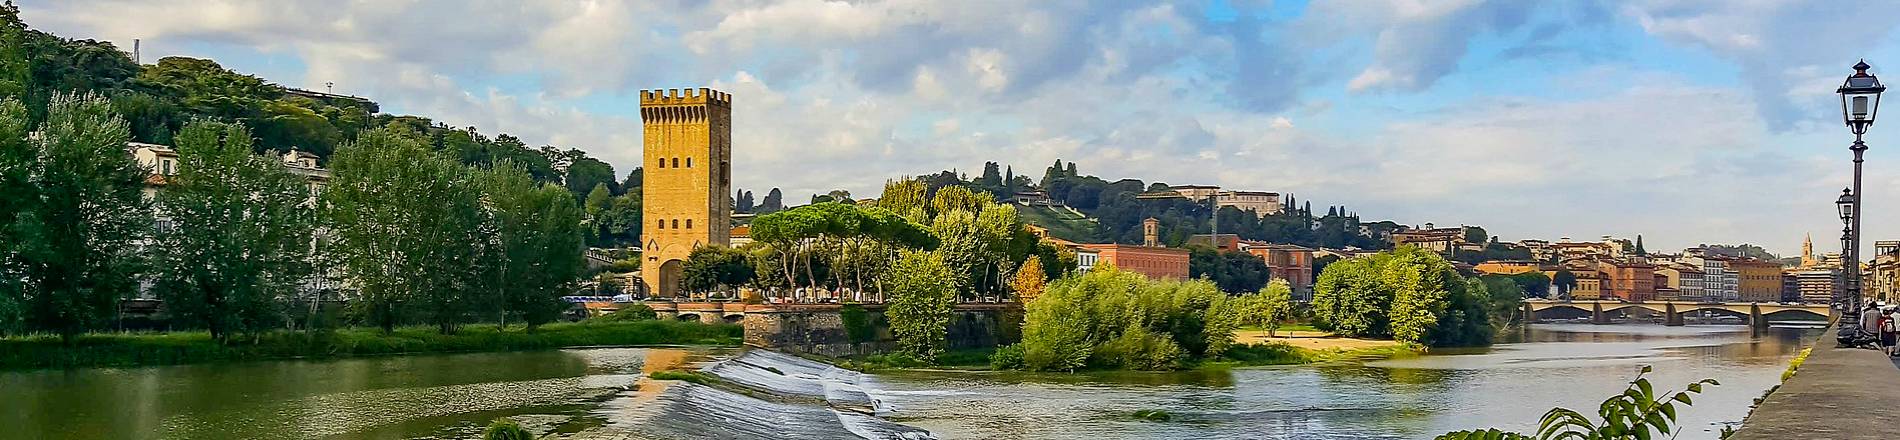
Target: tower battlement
point(689, 96)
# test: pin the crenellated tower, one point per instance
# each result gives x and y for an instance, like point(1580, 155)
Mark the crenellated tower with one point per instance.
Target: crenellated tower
point(688, 166)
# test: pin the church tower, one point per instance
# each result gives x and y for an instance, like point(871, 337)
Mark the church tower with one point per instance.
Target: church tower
point(688, 166)
point(1807, 252)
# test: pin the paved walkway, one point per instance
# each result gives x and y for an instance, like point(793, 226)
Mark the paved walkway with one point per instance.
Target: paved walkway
point(1839, 394)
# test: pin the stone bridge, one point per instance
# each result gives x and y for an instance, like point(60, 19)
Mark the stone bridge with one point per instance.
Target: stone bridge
point(1673, 311)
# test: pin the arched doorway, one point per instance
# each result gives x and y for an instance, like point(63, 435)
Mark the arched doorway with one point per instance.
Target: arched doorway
point(670, 278)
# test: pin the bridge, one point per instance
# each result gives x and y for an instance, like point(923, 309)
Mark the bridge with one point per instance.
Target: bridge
point(1756, 313)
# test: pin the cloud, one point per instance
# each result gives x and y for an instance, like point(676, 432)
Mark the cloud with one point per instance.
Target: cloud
point(844, 94)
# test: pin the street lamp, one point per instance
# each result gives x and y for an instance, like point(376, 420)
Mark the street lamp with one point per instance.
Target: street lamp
point(1860, 103)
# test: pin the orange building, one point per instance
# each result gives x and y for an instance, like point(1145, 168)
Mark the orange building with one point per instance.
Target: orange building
point(1288, 262)
point(1152, 261)
point(1506, 267)
point(1757, 280)
point(1628, 281)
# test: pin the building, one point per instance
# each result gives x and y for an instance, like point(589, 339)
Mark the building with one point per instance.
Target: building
point(1882, 279)
point(1031, 198)
point(1589, 285)
point(1221, 242)
point(1152, 261)
point(1195, 192)
point(1720, 283)
point(1260, 203)
point(1540, 249)
point(1816, 286)
point(1085, 259)
point(1756, 280)
point(1685, 278)
point(1566, 250)
point(1506, 267)
point(688, 161)
point(1444, 241)
point(1292, 263)
point(739, 235)
point(1628, 280)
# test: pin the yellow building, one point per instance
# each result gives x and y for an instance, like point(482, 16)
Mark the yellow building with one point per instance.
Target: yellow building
point(1757, 280)
point(688, 161)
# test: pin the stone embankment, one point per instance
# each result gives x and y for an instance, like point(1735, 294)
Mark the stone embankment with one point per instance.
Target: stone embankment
point(1837, 394)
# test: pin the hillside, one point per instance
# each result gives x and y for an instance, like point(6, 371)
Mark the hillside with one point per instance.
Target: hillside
point(1061, 222)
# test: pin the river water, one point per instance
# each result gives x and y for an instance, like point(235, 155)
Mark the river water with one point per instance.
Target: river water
point(451, 396)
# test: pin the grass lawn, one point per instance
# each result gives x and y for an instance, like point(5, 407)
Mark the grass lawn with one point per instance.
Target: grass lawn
point(1061, 223)
point(137, 349)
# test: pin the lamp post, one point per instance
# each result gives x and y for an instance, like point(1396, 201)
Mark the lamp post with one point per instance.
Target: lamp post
point(1860, 102)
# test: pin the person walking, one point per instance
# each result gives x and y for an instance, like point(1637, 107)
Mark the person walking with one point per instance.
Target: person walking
point(1886, 326)
point(1891, 333)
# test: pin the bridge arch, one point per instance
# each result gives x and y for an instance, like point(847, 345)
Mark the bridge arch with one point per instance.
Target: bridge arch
point(734, 318)
point(688, 316)
point(1792, 313)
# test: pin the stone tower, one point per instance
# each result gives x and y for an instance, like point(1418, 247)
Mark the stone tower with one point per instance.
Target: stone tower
point(1151, 232)
point(688, 165)
point(1807, 252)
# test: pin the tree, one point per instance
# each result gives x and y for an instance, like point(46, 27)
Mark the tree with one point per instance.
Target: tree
point(1564, 281)
point(1231, 271)
point(1639, 246)
point(77, 213)
point(1533, 284)
point(584, 174)
point(774, 202)
point(1476, 234)
point(1271, 305)
point(1029, 280)
point(1349, 299)
point(921, 302)
point(716, 267)
point(539, 230)
point(241, 236)
point(410, 231)
point(1409, 294)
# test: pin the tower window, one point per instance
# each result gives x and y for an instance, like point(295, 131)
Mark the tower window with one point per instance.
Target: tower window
point(676, 162)
point(676, 223)
point(689, 223)
point(662, 223)
point(662, 163)
point(689, 162)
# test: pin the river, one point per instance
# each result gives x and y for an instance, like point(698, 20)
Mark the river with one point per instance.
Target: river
point(451, 396)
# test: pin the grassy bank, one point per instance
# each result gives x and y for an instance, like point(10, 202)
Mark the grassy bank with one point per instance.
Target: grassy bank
point(139, 349)
point(1240, 355)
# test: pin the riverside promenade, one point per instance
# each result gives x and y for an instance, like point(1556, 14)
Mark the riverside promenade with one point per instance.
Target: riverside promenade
point(1838, 394)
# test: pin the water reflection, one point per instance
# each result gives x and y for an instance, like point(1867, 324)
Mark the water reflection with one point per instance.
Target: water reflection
point(1507, 386)
point(392, 397)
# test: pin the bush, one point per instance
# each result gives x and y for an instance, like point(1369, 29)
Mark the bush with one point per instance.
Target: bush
point(1109, 318)
point(857, 324)
point(1009, 357)
point(634, 312)
point(504, 429)
point(1271, 353)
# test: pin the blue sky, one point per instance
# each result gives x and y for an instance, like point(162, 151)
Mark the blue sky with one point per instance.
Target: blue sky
point(1686, 121)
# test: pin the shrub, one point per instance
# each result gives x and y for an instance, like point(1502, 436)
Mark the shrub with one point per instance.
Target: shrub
point(1137, 348)
point(1796, 364)
point(1271, 353)
point(1111, 318)
point(1007, 358)
point(857, 324)
point(504, 429)
point(633, 312)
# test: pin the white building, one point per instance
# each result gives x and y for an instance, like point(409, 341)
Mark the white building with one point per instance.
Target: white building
point(1261, 203)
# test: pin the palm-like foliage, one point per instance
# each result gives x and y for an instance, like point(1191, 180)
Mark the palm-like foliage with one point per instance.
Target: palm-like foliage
point(1638, 413)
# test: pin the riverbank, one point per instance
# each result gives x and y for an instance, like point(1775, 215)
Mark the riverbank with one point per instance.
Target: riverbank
point(145, 349)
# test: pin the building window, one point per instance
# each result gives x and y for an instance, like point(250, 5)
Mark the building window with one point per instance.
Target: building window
point(662, 163)
point(689, 162)
point(165, 167)
point(689, 223)
point(662, 223)
point(676, 223)
point(676, 162)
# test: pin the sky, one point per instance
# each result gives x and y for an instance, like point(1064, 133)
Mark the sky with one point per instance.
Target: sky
point(1684, 121)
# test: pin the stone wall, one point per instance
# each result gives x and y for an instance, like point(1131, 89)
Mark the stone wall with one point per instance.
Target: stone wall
point(820, 330)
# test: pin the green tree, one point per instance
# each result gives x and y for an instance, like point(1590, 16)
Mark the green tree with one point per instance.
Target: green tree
point(1350, 299)
point(410, 231)
point(241, 233)
point(77, 218)
point(1533, 284)
point(538, 227)
point(1269, 307)
point(921, 302)
point(1231, 271)
point(710, 268)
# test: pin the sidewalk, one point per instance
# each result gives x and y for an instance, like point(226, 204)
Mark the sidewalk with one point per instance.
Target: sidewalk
point(1839, 393)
